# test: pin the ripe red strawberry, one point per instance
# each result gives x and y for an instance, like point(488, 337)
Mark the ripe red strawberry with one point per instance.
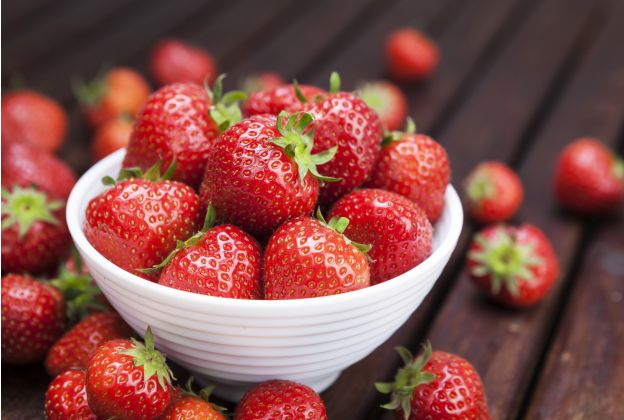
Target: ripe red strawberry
point(217, 261)
point(66, 397)
point(387, 100)
point(76, 346)
point(34, 231)
point(33, 317)
point(120, 91)
point(589, 178)
point(138, 222)
point(27, 165)
point(416, 166)
point(281, 98)
point(174, 61)
point(30, 117)
point(436, 385)
point(515, 266)
point(190, 406)
point(110, 137)
point(397, 229)
point(411, 56)
point(493, 192)
point(128, 379)
point(261, 172)
point(307, 257)
point(279, 399)
point(262, 82)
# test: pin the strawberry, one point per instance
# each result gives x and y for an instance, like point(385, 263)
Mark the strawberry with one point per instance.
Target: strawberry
point(33, 317)
point(174, 61)
point(411, 56)
point(138, 222)
point(190, 406)
point(128, 379)
point(66, 397)
point(119, 91)
point(387, 100)
point(435, 385)
point(30, 117)
point(261, 172)
point(344, 121)
point(217, 261)
point(515, 266)
point(281, 98)
point(307, 257)
point(416, 166)
point(34, 231)
point(76, 346)
point(397, 229)
point(493, 192)
point(26, 165)
point(110, 137)
point(280, 399)
point(589, 178)
point(262, 82)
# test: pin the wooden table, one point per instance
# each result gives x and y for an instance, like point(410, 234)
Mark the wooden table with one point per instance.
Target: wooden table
point(518, 80)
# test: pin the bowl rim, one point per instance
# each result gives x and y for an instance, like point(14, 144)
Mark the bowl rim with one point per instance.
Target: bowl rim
point(148, 288)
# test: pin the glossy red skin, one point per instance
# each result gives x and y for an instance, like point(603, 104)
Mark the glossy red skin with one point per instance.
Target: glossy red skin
point(110, 137)
point(305, 259)
point(116, 388)
point(253, 183)
point(344, 120)
point(174, 61)
point(455, 393)
point(278, 99)
point(25, 165)
point(279, 399)
point(192, 408)
point(393, 110)
point(30, 117)
point(411, 56)
point(39, 250)
point(66, 397)
point(584, 179)
point(417, 167)
point(76, 346)
point(174, 123)
point(226, 262)
point(126, 92)
point(33, 317)
point(263, 82)
point(398, 230)
point(136, 223)
point(544, 275)
point(506, 198)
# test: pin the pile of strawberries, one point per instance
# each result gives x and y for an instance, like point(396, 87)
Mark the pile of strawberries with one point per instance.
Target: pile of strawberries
point(229, 201)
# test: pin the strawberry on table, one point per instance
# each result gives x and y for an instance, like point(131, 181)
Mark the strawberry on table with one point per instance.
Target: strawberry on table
point(309, 257)
point(435, 385)
point(66, 397)
point(30, 117)
point(76, 346)
point(137, 223)
point(175, 61)
point(129, 380)
point(589, 178)
point(190, 406)
point(261, 172)
point(261, 82)
point(515, 266)
point(285, 97)
point(397, 229)
point(33, 317)
point(416, 166)
point(411, 56)
point(493, 192)
point(387, 100)
point(110, 137)
point(34, 231)
point(119, 91)
point(280, 399)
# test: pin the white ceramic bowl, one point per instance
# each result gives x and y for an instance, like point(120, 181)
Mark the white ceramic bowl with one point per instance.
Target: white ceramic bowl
point(238, 343)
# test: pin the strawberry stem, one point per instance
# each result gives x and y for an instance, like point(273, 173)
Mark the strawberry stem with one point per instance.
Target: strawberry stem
point(152, 174)
point(25, 207)
point(339, 225)
point(152, 361)
point(391, 136)
point(224, 110)
point(91, 93)
point(334, 82)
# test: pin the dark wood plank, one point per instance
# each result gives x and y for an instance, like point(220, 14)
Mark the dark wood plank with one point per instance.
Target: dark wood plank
point(584, 374)
point(23, 388)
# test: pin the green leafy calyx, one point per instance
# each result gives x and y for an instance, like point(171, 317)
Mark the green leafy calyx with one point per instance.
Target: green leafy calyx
point(339, 224)
point(334, 82)
point(225, 109)
point(408, 378)
point(152, 361)
point(153, 174)
point(392, 136)
point(26, 206)
point(480, 186)
point(91, 93)
point(618, 168)
point(204, 394)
